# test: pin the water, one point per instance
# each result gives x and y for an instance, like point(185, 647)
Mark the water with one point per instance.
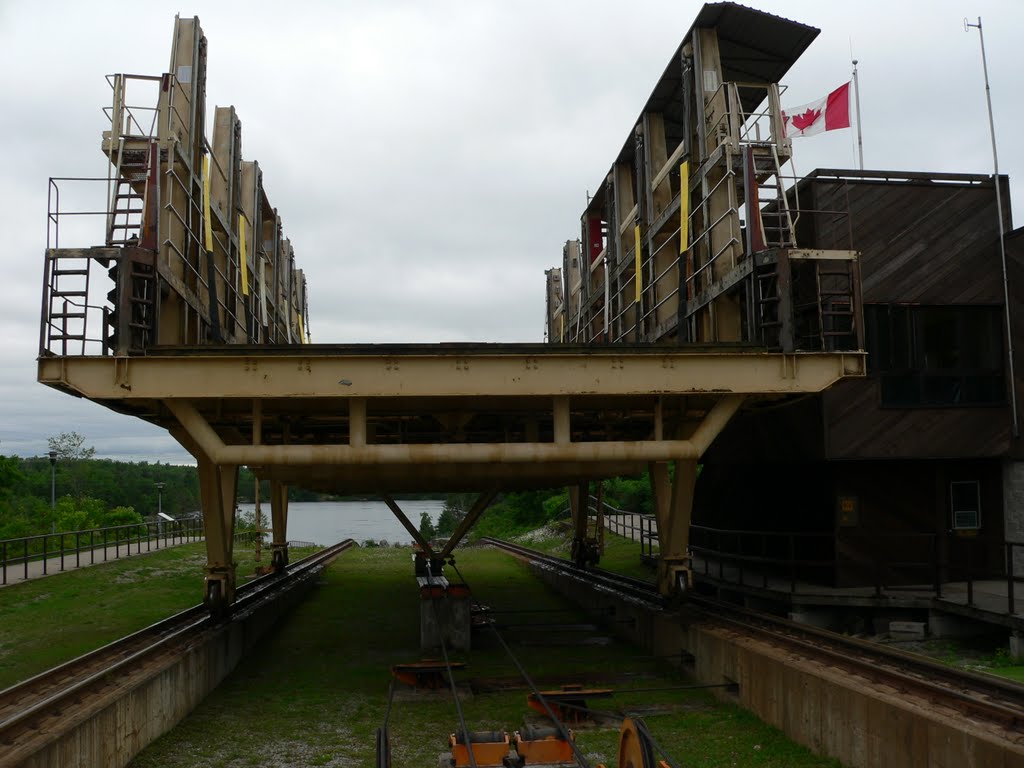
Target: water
point(328, 522)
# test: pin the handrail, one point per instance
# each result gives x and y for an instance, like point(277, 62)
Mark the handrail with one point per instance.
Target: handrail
point(152, 535)
point(740, 554)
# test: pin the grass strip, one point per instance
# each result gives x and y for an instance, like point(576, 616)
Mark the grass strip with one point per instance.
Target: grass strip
point(314, 691)
point(49, 620)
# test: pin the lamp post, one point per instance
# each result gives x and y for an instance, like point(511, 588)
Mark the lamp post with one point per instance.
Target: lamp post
point(159, 507)
point(53, 491)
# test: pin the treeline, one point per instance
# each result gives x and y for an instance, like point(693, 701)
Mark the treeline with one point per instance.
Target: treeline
point(515, 513)
point(90, 493)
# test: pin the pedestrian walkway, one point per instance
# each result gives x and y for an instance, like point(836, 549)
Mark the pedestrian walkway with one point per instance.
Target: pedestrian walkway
point(20, 571)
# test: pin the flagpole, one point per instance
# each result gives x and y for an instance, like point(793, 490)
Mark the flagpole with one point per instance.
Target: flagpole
point(1002, 239)
point(856, 96)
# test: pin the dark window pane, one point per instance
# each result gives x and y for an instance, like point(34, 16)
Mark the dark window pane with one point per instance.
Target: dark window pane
point(938, 340)
point(902, 348)
point(941, 390)
point(984, 389)
point(937, 356)
point(901, 389)
point(983, 338)
point(876, 333)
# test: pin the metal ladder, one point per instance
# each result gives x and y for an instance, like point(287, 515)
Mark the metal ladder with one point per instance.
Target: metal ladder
point(836, 317)
point(775, 217)
point(67, 297)
point(124, 218)
point(768, 303)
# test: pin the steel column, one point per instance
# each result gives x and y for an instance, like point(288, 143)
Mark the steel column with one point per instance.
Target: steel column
point(218, 486)
point(673, 507)
point(279, 525)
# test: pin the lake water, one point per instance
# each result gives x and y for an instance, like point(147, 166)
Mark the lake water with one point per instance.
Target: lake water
point(328, 522)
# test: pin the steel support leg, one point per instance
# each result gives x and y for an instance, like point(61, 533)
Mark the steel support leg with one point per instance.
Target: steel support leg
point(584, 550)
point(482, 502)
point(279, 524)
point(218, 487)
point(673, 506)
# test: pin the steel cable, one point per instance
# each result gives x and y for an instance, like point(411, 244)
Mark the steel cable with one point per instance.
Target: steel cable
point(451, 676)
point(559, 725)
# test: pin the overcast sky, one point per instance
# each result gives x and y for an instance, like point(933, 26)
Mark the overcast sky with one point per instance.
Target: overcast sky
point(430, 158)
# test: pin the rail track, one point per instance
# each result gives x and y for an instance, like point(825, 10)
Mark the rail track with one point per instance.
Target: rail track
point(65, 691)
point(985, 699)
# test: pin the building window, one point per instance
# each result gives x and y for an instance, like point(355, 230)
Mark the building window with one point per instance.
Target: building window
point(965, 503)
point(930, 356)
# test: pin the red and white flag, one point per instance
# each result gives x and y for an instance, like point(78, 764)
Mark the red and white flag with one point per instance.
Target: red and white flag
point(827, 114)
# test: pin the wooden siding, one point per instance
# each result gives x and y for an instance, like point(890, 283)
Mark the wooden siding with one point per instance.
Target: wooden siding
point(921, 242)
point(858, 427)
point(902, 525)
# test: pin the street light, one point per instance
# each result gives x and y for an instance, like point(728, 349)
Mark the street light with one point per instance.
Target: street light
point(159, 508)
point(53, 490)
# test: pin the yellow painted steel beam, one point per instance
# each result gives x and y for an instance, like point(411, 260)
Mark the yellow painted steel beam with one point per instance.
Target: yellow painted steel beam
point(478, 375)
point(450, 478)
point(452, 453)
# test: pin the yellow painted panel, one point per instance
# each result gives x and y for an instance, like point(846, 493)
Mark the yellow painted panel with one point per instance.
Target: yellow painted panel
point(208, 223)
point(684, 206)
point(242, 255)
point(636, 247)
point(302, 331)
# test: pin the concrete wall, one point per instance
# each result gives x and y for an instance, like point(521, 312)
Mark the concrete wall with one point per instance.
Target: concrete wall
point(1013, 509)
point(833, 713)
point(120, 724)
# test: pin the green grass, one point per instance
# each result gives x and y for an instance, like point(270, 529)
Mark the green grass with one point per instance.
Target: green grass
point(620, 554)
point(314, 692)
point(50, 620)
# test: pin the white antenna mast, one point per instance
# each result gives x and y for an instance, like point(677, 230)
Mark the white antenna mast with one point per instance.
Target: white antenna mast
point(999, 211)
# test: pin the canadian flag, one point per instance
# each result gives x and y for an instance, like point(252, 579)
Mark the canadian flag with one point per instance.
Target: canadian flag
point(827, 114)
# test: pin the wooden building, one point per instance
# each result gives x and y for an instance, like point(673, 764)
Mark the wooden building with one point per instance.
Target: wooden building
point(914, 466)
point(699, 233)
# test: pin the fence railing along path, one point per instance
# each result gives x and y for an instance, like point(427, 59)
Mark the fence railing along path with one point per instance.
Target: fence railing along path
point(32, 556)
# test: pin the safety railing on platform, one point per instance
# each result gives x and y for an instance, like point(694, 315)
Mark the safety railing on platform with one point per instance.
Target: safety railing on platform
point(965, 568)
point(929, 563)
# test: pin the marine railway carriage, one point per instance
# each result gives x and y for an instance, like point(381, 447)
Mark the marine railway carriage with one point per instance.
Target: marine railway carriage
point(191, 314)
point(697, 233)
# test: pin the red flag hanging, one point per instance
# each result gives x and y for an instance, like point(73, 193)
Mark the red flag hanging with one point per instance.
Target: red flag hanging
point(827, 114)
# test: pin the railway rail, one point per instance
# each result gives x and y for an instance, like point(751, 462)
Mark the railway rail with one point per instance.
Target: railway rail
point(67, 690)
point(985, 699)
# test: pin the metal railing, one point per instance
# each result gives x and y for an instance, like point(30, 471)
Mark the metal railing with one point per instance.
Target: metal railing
point(928, 562)
point(66, 544)
point(635, 527)
point(18, 554)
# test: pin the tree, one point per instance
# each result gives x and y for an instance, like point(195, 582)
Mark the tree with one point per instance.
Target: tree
point(450, 517)
point(427, 530)
point(10, 474)
point(70, 446)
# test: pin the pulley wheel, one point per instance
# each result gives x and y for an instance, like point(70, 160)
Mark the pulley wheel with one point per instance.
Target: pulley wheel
point(635, 750)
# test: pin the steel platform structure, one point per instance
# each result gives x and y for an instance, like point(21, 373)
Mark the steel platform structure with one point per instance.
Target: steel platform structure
point(445, 417)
